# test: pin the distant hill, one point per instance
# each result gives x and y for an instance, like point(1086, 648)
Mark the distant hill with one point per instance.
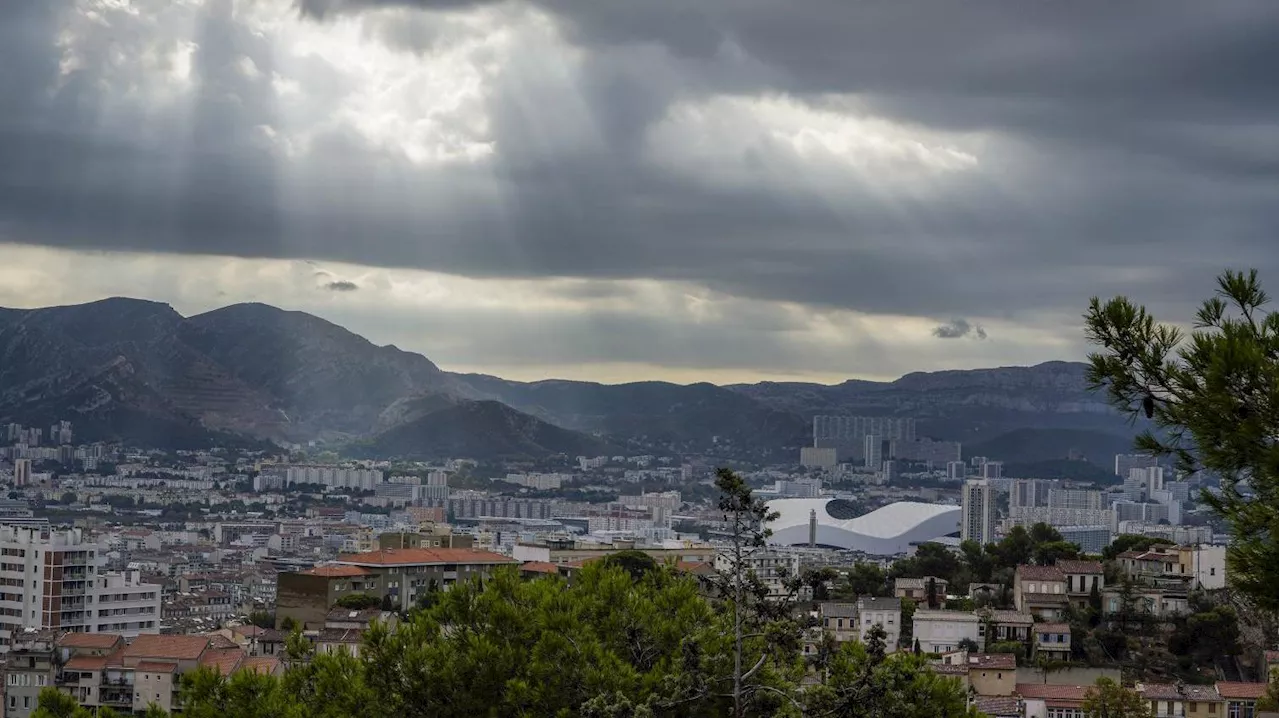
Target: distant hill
point(673, 417)
point(1029, 445)
point(482, 430)
point(1061, 469)
point(136, 370)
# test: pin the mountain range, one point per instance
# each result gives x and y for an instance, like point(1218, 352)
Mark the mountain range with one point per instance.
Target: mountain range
point(140, 372)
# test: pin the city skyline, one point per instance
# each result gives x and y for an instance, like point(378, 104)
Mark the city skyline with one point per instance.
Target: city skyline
point(619, 193)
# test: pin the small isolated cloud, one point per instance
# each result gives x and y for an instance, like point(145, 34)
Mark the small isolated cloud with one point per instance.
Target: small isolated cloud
point(957, 328)
point(342, 285)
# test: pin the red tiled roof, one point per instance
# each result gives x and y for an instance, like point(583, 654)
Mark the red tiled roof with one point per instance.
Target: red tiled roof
point(336, 571)
point(156, 666)
point(222, 660)
point(1000, 706)
point(539, 567)
point(947, 669)
point(1043, 691)
point(1201, 694)
point(86, 663)
point(1044, 598)
point(992, 660)
point(695, 566)
point(1233, 690)
point(412, 556)
point(1080, 566)
point(150, 645)
point(217, 640)
point(1160, 691)
point(1039, 573)
point(88, 640)
point(1051, 628)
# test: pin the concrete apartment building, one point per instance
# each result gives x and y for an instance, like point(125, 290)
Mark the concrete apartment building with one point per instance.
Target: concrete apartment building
point(942, 631)
point(28, 669)
point(51, 579)
point(400, 574)
point(129, 677)
point(978, 512)
point(883, 612)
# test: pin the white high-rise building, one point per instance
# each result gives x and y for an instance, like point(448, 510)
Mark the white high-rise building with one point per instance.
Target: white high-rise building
point(53, 579)
point(21, 472)
point(1126, 462)
point(1075, 499)
point(993, 470)
point(978, 512)
point(873, 452)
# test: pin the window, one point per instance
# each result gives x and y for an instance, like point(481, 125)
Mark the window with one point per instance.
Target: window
point(1213, 571)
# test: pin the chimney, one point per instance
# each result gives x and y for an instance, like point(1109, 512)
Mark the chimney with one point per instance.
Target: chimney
point(813, 528)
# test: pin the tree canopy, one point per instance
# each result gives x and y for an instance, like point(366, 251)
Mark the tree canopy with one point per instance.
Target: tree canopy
point(1211, 396)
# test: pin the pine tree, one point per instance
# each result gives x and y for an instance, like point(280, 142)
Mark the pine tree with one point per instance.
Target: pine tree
point(1212, 397)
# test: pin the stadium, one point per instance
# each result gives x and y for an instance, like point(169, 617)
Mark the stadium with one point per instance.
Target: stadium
point(887, 531)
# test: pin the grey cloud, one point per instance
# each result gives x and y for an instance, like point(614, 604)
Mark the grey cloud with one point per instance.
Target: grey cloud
point(342, 285)
point(1136, 153)
point(957, 328)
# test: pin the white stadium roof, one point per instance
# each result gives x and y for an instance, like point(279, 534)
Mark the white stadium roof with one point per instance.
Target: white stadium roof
point(887, 531)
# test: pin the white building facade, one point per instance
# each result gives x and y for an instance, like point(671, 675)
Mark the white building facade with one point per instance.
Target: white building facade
point(52, 579)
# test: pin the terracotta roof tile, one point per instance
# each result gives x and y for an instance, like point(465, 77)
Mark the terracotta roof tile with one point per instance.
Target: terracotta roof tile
point(217, 640)
point(539, 567)
point(336, 571)
point(1049, 692)
point(150, 645)
point(86, 663)
point(944, 669)
point(998, 706)
point(1012, 617)
point(1233, 690)
point(156, 666)
point(1201, 694)
point(88, 640)
point(1051, 628)
point(1080, 566)
point(1039, 573)
point(411, 556)
point(223, 660)
point(1044, 598)
point(999, 661)
point(1159, 691)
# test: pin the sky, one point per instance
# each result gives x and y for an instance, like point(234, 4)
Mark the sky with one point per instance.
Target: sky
point(726, 190)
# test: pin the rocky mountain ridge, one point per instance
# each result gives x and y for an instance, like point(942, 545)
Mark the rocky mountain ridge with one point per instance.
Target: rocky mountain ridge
point(118, 365)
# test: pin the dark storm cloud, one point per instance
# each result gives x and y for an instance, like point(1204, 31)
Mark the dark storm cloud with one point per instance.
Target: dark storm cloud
point(1133, 151)
point(957, 328)
point(342, 285)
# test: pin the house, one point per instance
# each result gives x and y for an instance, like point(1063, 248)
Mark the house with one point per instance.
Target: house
point(885, 612)
point(958, 672)
point(988, 592)
point(1166, 699)
point(840, 620)
point(1040, 591)
point(337, 640)
point(28, 669)
point(943, 631)
point(1005, 626)
point(1160, 602)
point(989, 674)
point(359, 620)
point(1195, 567)
point(1083, 579)
point(1203, 702)
point(1043, 700)
point(397, 577)
point(1241, 698)
point(1052, 640)
point(917, 589)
